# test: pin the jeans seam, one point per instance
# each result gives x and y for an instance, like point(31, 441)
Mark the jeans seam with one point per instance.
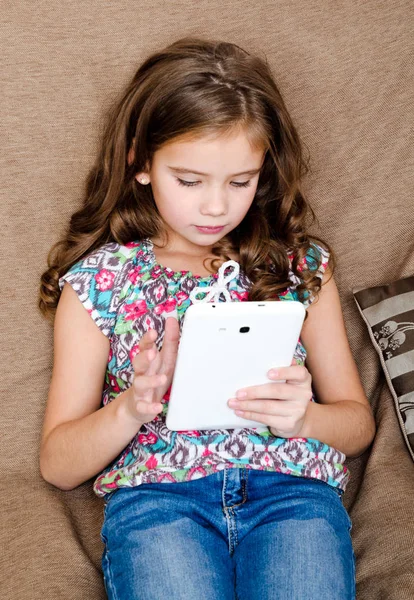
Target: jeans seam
point(353, 574)
point(236, 537)
point(108, 580)
point(244, 489)
point(102, 536)
point(223, 491)
point(230, 514)
point(243, 472)
point(232, 528)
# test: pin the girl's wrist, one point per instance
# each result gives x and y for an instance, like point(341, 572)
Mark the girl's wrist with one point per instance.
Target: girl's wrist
point(303, 432)
point(123, 414)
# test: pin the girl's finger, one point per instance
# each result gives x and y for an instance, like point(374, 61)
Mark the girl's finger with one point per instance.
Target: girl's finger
point(147, 339)
point(142, 361)
point(294, 374)
point(284, 425)
point(145, 383)
point(154, 361)
point(169, 348)
point(273, 391)
point(278, 408)
point(150, 408)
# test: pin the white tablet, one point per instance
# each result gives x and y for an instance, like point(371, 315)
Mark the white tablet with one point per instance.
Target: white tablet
point(225, 346)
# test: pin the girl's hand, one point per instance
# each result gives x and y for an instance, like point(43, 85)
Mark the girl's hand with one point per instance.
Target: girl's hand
point(280, 406)
point(153, 372)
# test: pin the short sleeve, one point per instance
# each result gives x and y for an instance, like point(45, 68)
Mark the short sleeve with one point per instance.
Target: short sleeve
point(316, 260)
point(97, 279)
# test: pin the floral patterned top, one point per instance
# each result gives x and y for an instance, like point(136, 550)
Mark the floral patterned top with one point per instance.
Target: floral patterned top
point(126, 292)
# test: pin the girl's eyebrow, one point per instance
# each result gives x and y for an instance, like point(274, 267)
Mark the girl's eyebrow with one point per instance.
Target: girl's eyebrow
point(191, 171)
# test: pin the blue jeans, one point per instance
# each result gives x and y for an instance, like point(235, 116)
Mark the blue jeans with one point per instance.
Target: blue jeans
point(237, 534)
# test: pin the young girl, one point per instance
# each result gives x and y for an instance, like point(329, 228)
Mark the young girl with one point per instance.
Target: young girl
point(200, 164)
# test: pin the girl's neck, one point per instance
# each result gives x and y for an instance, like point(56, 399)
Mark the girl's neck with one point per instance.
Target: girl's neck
point(177, 260)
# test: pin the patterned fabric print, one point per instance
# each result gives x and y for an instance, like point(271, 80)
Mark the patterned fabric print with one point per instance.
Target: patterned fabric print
point(127, 292)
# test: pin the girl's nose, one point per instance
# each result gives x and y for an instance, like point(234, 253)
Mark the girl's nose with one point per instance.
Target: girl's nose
point(215, 203)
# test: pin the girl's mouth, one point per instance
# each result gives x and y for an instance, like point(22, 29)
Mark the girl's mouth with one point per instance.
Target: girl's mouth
point(209, 229)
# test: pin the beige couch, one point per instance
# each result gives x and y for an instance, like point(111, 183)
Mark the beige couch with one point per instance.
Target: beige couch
point(344, 71)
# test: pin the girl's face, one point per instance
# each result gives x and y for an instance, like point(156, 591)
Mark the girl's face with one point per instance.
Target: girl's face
point(204, 183)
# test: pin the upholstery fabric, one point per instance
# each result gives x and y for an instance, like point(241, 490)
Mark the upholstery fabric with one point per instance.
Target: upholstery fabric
point(345, 72)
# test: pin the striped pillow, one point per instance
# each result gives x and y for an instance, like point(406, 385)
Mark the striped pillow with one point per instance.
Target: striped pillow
point(388, 311)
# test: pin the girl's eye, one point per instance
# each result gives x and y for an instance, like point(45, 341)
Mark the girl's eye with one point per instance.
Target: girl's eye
point(242, 183)
point(186, 183)
point(193, 183)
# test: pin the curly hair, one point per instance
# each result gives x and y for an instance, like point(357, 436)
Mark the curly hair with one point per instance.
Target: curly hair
point(190, 88)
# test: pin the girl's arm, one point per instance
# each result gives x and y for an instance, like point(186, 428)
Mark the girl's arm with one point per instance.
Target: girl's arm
point(342, 417)
point(79, 439)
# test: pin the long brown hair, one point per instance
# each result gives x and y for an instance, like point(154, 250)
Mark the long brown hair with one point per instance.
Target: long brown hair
point(190, 88)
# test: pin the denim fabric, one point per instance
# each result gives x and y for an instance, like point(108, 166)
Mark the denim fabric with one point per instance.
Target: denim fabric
point(236, 534)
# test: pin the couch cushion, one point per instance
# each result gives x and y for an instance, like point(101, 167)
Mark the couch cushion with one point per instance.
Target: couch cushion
point(388, 311)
